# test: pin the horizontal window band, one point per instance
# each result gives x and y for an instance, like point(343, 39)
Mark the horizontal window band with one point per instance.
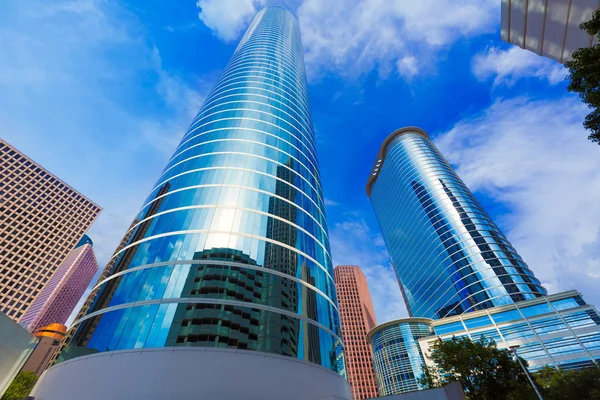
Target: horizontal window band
point(260, 61)
point(211, 185)
point(208, 231)
point(201, 154)
point(215, 206)
point(207, 118)
point(318, 207)
point(219, 263)
point(191, 131)
point(181, 146)
point(249, 69)
point(275, 39)
point(260, 55)
point(192, 300)
point(169, 166)
point(248, 76)
point(284, 45)
point(199, 127)
point(217, 103)
point(269, 94)
point(240, 81)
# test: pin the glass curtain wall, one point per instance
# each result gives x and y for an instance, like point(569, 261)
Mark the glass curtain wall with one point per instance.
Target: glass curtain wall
point(230, 249)
point(560, 330)
point(448, 254)
point(397, 357)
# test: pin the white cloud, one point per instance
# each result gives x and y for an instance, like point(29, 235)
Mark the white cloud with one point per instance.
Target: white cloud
point(407, 67)
point(353, 243)
point(507, 66)
point(228, 18)
point(357, 36)
point(98, 109)
point(534, 157)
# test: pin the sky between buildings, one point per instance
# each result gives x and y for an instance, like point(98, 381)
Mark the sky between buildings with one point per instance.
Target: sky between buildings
point(100, 92)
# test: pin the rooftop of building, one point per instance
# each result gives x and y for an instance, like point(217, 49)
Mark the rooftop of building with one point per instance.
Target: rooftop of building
point(383, 151)
point(396, 322)
point(54, 330)
point(13, 148)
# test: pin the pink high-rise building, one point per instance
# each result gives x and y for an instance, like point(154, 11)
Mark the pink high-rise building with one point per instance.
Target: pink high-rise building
point(59, 297)
point(357, 318)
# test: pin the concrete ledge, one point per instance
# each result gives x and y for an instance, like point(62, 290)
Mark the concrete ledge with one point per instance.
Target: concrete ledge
point(189, 373)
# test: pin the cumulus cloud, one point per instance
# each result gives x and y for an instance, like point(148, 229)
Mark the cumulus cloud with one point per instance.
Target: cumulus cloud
point(407, 67)
point(353, 243)
point(228, 18)
point(533, 157)
point(357, 36)
point(507, 66)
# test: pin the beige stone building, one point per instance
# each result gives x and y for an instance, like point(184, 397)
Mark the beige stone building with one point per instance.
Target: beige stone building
point(41, 220)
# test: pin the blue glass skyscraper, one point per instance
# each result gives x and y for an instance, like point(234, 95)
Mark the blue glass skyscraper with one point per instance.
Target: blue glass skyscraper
point(449, 256)
point(229, 253)
point(459, 275)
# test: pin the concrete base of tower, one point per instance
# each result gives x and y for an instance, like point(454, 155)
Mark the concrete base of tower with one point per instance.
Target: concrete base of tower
point(189, 373)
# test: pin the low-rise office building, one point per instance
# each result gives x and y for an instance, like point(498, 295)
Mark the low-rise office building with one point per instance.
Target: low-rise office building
point(558, 330)
point(50, 338)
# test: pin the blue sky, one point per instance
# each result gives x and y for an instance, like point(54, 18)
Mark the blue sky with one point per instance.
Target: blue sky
point(100, 92)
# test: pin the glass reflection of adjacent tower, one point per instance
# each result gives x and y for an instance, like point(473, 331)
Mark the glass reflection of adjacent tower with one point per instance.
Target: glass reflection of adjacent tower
point(228, 325)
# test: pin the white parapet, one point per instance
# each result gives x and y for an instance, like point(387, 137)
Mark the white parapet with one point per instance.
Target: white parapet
point(189, 373)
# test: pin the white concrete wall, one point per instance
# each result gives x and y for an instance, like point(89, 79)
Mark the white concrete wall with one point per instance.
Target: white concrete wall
point(16, 344)
point(189, 373)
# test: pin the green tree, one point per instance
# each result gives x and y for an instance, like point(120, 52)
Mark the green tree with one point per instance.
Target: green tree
point(584, 74)
point(484, 371)
point(567, 385)
point(19, 388)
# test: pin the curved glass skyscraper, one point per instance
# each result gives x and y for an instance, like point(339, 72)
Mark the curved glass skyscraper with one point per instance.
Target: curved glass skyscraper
point(230, 249)
point(397, 357)
point(448, 254)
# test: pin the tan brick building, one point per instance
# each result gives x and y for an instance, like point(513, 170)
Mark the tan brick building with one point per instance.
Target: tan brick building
point(41, 220)
point(357, 318)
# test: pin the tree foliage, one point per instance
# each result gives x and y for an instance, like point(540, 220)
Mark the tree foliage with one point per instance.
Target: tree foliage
point(484, 371)
point(567, 385)
point(20, 388)
point(584, 76)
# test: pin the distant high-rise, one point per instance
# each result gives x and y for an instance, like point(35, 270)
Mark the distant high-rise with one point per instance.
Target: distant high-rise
point(449, 256)
point(64, 290)
point(41, 220)
point(548, 28)
point(50, 337)
point(358, 318)
point(225, 280)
